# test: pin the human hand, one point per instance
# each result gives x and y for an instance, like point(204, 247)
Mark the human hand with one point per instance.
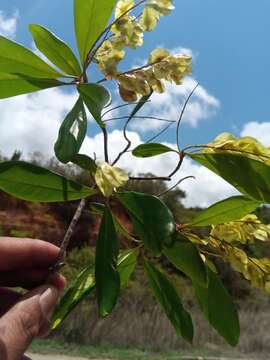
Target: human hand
point(25, 263)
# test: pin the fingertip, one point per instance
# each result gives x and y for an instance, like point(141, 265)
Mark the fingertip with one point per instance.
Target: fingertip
point(58, 280)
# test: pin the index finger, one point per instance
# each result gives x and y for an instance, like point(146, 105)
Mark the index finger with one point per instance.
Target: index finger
point(20, 253)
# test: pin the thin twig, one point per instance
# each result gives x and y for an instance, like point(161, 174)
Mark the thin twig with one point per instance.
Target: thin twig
point(174, 186)
point(63, 248)
point(105, 137)
point(178, 166)
point(140, 117)
point(133, 113)
point(158, 134)
point(121, 106)
point(181, 117)
point(162, 178)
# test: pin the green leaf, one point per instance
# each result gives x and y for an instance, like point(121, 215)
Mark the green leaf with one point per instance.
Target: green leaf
point(85, 162)
point(151, 149)
point(57, 51)
point(16, 59)
point(170, 302)
point(72, 133)
point(127, 261)
point(98, 208)
point(82, 286)
point(91, 17)
point(151, 218)
point(33, 183)
point(185, 256)
point(13, 85)
point(218, 308)
point(106, 274)
point(226, 210)
point(249, 176)
point(95, 97)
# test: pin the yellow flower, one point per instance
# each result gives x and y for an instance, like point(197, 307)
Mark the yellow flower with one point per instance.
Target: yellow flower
point(246, 145)
point(109, 178)
point(122, 7)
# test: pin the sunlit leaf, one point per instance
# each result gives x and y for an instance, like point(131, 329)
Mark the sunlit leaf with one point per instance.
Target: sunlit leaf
point(95, 97)
point(106, 274)
point(151, 149)
point(226, 210)
point(91, 17)
point(170, 302)
point(16, 59)
point(151, 218)
point(72, 133)
point(82, 286)
point(13, 85)
point(127, 261)
point(249, 176)
point(33, 183)
point(57, 51)
point(218, 308)
point(185, 257)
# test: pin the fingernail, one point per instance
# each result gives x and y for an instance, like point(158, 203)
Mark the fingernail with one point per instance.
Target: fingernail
point(48, 299)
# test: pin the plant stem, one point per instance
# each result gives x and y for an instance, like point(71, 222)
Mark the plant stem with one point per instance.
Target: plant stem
point(106, 152)
point(63, 248)
point(162, 178)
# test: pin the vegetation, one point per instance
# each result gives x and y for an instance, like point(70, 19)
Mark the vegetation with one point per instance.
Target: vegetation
point(225, 231)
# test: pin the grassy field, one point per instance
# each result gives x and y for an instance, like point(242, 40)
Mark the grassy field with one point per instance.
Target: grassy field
point(104, 352)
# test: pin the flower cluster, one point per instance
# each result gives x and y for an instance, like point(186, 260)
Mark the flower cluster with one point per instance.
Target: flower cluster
point(257, 271)
point(127, 32)
point(162, 66)
point(109, 178)
point(248, 145)
point(246, 230)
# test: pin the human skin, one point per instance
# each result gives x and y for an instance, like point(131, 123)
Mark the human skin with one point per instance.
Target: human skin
point(25, 263)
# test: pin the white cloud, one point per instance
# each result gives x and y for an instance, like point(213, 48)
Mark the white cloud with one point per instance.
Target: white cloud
point(30, 123)
point(206, 189)
point(202, 106)
point(8, 25)
point(260, 131)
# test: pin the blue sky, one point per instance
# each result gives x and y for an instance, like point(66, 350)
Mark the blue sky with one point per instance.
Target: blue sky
point(229, 40)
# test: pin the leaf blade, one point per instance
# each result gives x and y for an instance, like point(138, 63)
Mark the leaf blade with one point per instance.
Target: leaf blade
point(95, 97)
point(56, 50)
point(72, 133)
point(169, 301)
point(90, 19)
point(226, 210)
point(106, 274)
point(151, 149)
point(252, 180)
point(33, 183)
point(151, 218)
point(13, 85)
point(218, 308)
point(16, 59)
point(185, 257)
point(82, 286)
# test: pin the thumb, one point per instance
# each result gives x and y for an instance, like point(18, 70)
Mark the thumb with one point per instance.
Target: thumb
point(28, 319)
